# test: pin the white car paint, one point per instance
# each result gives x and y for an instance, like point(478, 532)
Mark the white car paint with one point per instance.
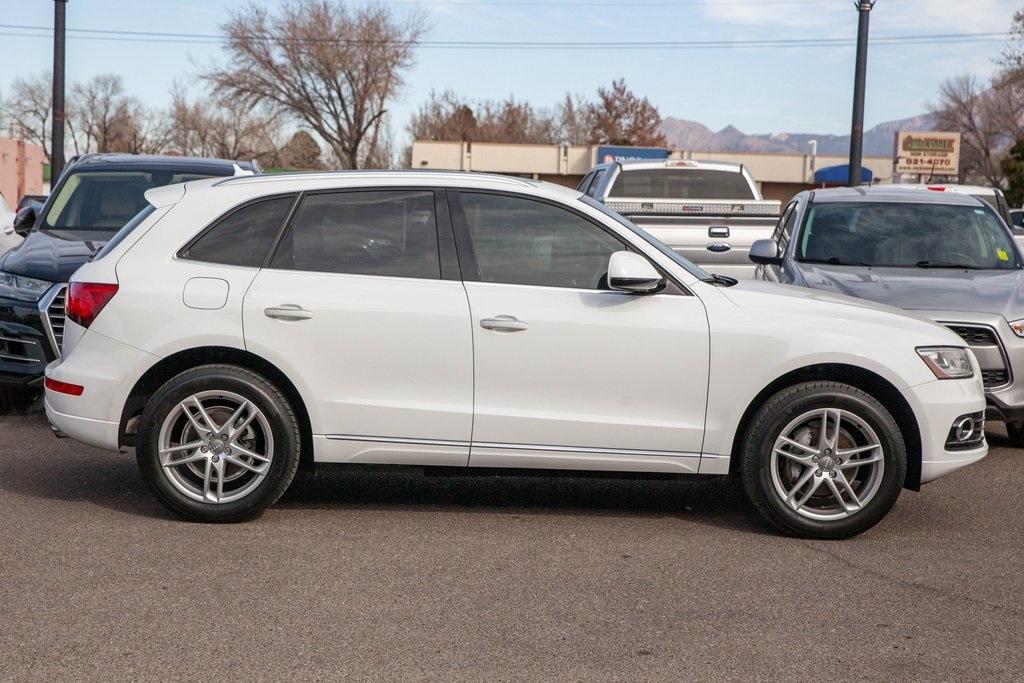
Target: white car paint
point(399, 371)
point(8, 238)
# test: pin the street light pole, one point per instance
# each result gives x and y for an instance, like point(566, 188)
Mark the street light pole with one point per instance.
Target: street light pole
point(857, 128)
point(59, 115)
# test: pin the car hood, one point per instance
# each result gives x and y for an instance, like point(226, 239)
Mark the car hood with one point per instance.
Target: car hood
point(53, 255)
point(924, 289)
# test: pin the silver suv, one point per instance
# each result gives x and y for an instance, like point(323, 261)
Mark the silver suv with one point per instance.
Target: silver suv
point(946, 256)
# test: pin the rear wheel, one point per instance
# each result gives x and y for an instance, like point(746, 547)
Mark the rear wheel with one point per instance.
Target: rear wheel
point(218, 443)
point(823, 460)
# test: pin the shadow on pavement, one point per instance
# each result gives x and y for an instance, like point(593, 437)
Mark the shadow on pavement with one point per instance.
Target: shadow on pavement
point(44, 467)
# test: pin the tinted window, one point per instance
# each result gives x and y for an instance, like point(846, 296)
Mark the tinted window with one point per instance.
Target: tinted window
point(679, 183)
point(906, 235)
point(585, 183)
point(105, 200)
point(243, 237)
point(595, 184)
point(390, 233)
point(525, 242)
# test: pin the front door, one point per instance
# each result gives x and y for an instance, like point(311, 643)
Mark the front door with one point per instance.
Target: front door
point(568, 373)
point(354, 310)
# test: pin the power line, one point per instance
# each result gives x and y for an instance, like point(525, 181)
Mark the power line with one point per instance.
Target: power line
point(29, 31)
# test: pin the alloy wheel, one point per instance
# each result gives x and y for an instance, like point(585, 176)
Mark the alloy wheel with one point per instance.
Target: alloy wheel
point(216, 446)
point(827, 464)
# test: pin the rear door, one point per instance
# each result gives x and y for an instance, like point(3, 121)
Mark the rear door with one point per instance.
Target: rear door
point(362, 307)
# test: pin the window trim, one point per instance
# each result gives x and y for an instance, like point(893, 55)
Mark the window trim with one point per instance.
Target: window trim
point(471, 267)
point(447, 257)
point(180, 254)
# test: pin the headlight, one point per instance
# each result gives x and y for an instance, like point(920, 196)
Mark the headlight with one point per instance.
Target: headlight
point(22, 288)
point(947, 362)
point(1018, 327)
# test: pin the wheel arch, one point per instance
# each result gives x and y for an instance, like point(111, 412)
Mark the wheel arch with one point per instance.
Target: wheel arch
point(865, 380)
point(178, 362)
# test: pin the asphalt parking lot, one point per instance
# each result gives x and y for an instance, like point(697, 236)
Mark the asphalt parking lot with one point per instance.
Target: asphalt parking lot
point(397, 575)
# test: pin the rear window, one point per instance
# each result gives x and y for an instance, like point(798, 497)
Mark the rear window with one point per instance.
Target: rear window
point(243, 237)
point(678, 183)
point(105, 200)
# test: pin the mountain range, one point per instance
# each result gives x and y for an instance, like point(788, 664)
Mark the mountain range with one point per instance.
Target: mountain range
point(878, 141)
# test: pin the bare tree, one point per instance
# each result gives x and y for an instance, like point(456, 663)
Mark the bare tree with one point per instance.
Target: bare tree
point(446, 116)
point(988, 119)
point(620, 117)
point(224, 128)
point(331, 67)
point(27, 109)
point(105, 116)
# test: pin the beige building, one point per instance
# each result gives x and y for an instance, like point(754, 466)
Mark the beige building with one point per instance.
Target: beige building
point(779, 176)
point(21, 169)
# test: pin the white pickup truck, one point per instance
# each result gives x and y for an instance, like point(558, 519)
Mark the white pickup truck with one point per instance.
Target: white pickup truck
point(710, 212)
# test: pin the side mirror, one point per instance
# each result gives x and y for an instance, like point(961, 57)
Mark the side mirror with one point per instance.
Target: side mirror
point(765, 251)
point(629, 272)
point(24, 220)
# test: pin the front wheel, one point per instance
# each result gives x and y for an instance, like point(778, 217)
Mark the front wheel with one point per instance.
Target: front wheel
point(218, 443)
point(823, 460)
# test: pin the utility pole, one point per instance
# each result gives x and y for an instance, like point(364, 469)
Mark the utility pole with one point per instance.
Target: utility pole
point(857, 128)
point(59, 115)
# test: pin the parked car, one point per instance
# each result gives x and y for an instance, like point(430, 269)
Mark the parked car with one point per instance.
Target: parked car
point(710, 212)
point(463, 320)
point(946, 256)
point(94, 197)
point(992, 196)
point(8, 238)
point(1017, 220)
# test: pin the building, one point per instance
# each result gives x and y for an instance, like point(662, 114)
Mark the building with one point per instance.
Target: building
point(779, 176)
point(21, 169)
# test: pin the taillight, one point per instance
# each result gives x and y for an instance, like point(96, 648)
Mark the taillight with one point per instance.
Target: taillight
point(63, 387)
point(86, 300)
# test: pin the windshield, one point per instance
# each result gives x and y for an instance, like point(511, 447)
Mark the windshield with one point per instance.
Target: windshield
point(906, 236)
point(689, 266)
point(105, 200)
point(681, 183)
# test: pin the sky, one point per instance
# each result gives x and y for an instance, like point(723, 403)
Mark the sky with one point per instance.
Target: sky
point(759, 90)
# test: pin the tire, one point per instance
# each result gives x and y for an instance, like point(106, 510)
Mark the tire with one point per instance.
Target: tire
point(823, 507)
point(1015, 434)
point(211, 475)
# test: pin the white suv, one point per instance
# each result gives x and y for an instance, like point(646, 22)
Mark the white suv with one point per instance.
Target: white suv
point(249, 327)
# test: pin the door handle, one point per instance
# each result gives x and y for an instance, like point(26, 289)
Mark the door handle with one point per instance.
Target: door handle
point(504, 323)
point(287, 312)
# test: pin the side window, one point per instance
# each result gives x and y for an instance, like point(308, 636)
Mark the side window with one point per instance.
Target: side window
point(592, 190)
point(525, 242)
point(390, 233)
point(786, 228)
point(243, 237)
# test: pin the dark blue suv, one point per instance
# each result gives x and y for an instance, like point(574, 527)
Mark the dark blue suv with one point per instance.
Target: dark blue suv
point(95, 196)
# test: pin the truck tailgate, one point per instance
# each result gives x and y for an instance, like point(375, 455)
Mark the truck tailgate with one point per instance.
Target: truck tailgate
point(714, 234)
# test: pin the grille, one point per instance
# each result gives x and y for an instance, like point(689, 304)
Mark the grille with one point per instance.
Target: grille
point(976, 336)
point(993, 378)
point(55, 316)
point(17, 350)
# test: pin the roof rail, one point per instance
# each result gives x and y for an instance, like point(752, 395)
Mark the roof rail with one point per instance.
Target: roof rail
point(379, 173)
